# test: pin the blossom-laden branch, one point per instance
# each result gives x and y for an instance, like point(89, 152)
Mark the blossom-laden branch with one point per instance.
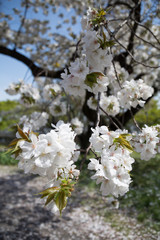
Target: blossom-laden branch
point(112, 92)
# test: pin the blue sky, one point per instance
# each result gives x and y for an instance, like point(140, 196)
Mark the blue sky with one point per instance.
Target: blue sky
point(12, 70)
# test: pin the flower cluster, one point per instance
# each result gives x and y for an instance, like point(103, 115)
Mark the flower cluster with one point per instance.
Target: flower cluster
point(50, 155)
point(133, 92)
point(47, 153)
point(112, 168)
point(73, 83)
point(147, 142)
point(28, 93)
point(88, 72)
point(110, 105)
point(92, 48)
point(36, 121)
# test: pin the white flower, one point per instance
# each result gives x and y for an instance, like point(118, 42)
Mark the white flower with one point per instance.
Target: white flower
point(100, 86)
point(146, 142)
point(131, 93)
point(91, 42)
point(28, 91)
point(73, 85)
point(92, 103)
point(112, 173)
point(14, 88)
point(99, 59)
point(58, 108)
point(48, 153)
point(110, 105)
point(36, 121)
point(77, 125)
point(103, 138)
point(79, 68)
point(50, 90)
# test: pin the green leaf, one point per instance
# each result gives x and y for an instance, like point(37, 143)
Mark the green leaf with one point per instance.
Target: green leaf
point(48, 191)
point(29, 100)
point(61, 201)
point(58, 109)
point(50, 197)
point(16, 152)
point(91, 78)
point(104, 36)
point(14, 141)
point(124, 135)
point(110, 106)
point(101, 13)
point(108, 44)
point(108, 9)
point(53, 92)
point(123, 142)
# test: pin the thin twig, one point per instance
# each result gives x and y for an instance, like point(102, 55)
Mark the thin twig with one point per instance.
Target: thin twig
point(115, 70)
point(68, 107)
point(147, 59)
point(113, 36)
point(75, 54)
point(119, 27)
point(85, 156)
point(142, 38)
point(109, 118)
point(147, 29)
point(134, 120)
point(132, 55)
point(98, 107)
point(21, 25)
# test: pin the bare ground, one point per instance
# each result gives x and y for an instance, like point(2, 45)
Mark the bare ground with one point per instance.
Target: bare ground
point(22, 217)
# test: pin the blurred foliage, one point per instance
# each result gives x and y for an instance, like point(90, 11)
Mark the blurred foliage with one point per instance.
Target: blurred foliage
point(144, 194)
point(7, 114)
point(149, 115)
point(6, 159)
point(8, 105)
point(11, 112)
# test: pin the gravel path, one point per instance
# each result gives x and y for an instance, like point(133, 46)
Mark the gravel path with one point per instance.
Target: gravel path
point(22, 217)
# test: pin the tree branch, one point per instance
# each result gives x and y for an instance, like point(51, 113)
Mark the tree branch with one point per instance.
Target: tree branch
point(136, 11)
point(36, 71)
point(21, 25)
point(142, 39)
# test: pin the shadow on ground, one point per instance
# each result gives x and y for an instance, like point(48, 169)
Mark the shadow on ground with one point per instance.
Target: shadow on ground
point(23, 217)
point(20, 217)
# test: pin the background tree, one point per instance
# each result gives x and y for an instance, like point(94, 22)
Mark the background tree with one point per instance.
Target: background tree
point(133, 26)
